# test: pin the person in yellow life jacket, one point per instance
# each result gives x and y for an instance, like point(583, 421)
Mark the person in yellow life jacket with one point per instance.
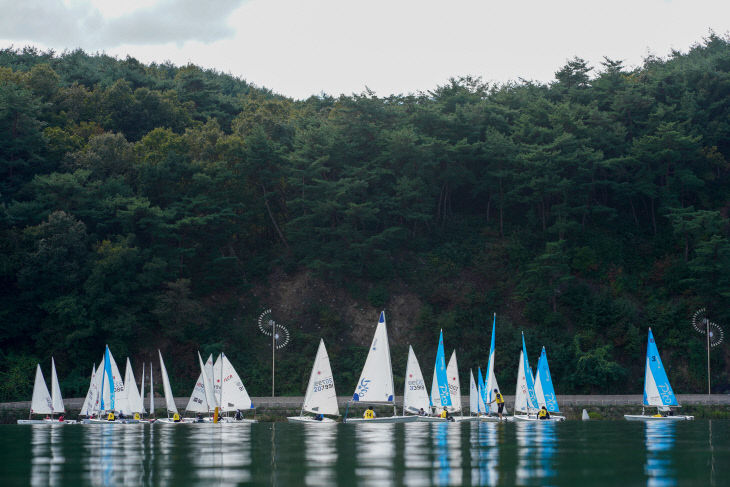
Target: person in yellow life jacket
point(136, 416)
point(369, 413)
point(500, 402)
point(110, 417)
point(176, 418)
point(444, 413)
point(543, 413)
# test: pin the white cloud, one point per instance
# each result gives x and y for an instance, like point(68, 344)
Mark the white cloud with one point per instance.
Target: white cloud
point(304, 47)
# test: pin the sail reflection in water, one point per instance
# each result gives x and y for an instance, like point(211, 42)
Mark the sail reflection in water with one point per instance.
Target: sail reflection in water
point(484, 453)
point(114, 454)
point(320, 446)
point(222, 453)
point(416, 454)
point(447, 453)
point(375, 453)
point(659, 466)
point(536, 442)
point(47, 461)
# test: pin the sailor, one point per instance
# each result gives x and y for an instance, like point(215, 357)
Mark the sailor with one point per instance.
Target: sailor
point(543, 413)
point(369, 413)
point(444, 414)
point(110, 417)
point(421, 412)
point(318, 417)
point(176, 418)
point(500, 402)
point(239, 415)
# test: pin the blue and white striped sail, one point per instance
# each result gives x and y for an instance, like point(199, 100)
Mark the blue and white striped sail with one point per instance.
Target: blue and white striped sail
point(491, 381)
point(657, 390)
point(440, 395)
point(483, 407)
point(525, 397)
point(544, 385)
point(376, 379)
point(107, 375)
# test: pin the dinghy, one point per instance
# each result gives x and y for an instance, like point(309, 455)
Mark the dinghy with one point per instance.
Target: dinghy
point(90, 395)
point(321, 397)
point(452, 371)
point(44, 403)
point(525, 397)
point(544, 388)
point(109, 386)
point(203, 400)
point(440, 391)
point(658, 392)
point(231, 393)
point(487, 395)
point(376, 380)
point(169, 398)
point(415, 397)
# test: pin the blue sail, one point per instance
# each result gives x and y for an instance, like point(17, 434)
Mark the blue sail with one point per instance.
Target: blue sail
point(657, 390)
point(531, 396)
point(546, 382)
point(490, 366)
point(441, 378)
point(482, 392)
point(108, 372)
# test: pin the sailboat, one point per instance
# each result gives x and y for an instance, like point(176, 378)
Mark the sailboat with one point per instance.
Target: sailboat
point(544, 387)
point(169, 398)
point(473, 395)
point(134, 400)
point(230, 391)
point(110, 394)
point(452, 371)
point(525, 397)
point(658, 392)
point(321, 397)
point(202, 400)
point(415, 397)
point(44, 403)
point(440, 390)
point(376, 379)
point(490, 384)
point(90, 395)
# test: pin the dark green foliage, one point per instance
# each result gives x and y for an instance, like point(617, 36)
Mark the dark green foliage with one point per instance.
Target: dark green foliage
point(153, 206)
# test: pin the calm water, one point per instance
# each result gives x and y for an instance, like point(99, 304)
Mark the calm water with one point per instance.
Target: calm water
point(416, 454)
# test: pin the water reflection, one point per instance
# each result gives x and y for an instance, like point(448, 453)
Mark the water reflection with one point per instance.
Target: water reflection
point(114, 454)
point(219, 453)
point(659, 467)
point(416, 454)
point(320, 449)
point(375, 454)
point(47, 462)
point(536, 447)
point(447, 453)
point(484, 453)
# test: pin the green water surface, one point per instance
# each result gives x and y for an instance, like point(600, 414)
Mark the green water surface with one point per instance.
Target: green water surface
point(414, 454)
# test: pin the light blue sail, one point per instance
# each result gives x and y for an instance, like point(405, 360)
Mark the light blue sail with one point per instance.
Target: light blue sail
point(531, 396)
point(441, 378)
point(482, 392)
point(490, 365)
point(657, 390)
point(107, 374)
point(546, 382)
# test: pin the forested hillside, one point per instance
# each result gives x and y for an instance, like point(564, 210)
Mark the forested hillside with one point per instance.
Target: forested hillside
point(155, 206)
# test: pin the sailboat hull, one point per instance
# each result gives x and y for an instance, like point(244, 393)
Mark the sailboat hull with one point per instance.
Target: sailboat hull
point(641, 417)
point(495, 419)
point(431, 419)
point(45, 421)
point(386, 419)
point(530, 417)
point(309, 419)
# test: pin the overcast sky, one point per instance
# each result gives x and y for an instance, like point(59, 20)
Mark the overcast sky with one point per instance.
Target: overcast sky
point(306, 47)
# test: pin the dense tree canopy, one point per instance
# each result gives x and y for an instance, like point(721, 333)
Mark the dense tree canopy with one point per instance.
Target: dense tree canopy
point(141, 204)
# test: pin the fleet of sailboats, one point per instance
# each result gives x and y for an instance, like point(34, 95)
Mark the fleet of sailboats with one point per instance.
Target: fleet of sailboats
point(219, 391)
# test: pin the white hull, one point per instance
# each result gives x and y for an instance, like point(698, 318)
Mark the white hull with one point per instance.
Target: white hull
point(309, 419)
point(116, 421)
point(430, 419)
point(45, 421)
point(641, 417)
point(532, 417)
point(495, 419)
point(464, 419)
point(385, 419)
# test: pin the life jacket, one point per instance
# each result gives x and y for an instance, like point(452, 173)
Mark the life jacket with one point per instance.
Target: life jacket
point(176, 418)
point(136, 416)
point(369, 414)
point(110, 417)
point(542, 414)
point(443, 413)
point(500, 399)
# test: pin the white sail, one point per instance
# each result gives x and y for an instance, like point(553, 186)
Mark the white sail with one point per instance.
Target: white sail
point(493, 385)
point(56, 399)
point(152, 393)
point(210, 396)
point(376, 379)
point(415, 396)
point(90, 394)
point(141, 390)
point(452, 372)
point(121, 401)
point(521, 390)
point(169, 398)
point(41, 402)
point(198, 401)
point(321, 397)
point(130, 385)
point(473, 395)
point(233, 393)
